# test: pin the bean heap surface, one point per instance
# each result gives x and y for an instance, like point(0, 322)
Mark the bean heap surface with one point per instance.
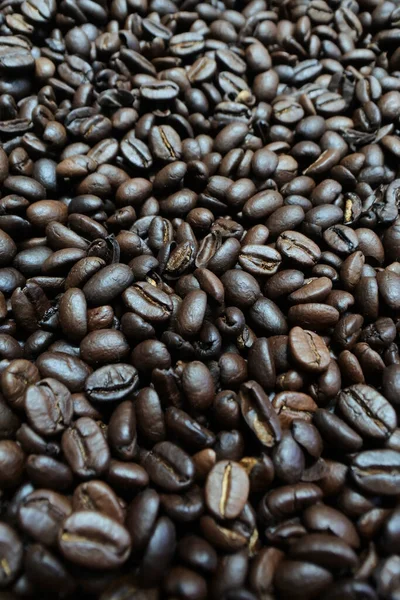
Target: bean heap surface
point(199, 299)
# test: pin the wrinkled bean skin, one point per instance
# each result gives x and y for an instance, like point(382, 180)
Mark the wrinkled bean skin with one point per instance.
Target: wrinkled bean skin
point(199, 300)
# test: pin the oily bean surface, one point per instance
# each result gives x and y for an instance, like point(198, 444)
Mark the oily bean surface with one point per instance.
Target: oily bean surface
point(199, 300)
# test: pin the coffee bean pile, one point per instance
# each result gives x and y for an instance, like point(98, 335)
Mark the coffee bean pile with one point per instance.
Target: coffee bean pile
point(200, 299)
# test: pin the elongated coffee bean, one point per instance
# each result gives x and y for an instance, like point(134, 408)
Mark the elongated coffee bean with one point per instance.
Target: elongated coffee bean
point(227, 489)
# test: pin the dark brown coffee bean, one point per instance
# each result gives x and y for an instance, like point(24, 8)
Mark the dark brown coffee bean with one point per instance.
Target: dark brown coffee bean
point(313, 579)
point(98, 496)
point(308, 350)
point(122, 431)
point(48, 472)
point(12, 460)
point(169, 466)
point(258, 413)
point(73, 314)
point(314, 316)
point(377, 471)
point(191, 313)
point(127, 477)
point(85, 448)
point(103, 346)
point(15, 379)
point(48, 406)
point(41, 513)
point(336, 431)
point(298, 248)
point(367, 411)
point(111, 383)
point(107, 284)
point(259, 260)
point(148, 302)
point(82, 540)
point(293, 405)
point(11, 553)
point(324, 550)
point(165, 143)
point(69, 370)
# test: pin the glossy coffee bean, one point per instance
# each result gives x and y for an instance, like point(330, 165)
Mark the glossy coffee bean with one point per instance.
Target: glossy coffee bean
point(199, 296)
point(81, 540)
point(85, 448)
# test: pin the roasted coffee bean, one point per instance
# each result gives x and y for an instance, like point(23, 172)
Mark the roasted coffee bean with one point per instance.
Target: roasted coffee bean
point(186, 430)
point(325, 550)
point(12, 462)
point(98, 496)
point(259, 260)
point(103, 346)
point(314, 579)
point(122, 431)
point(11, 554)
point(267, 317)
point(81, 540)
point(298, 248)
point(149, 415)
point(107, 284)
point(308, 350)
point(367, 411)
point(199, 288)
point(377, 471)
point(70, 370)
point(48, 406)
point(190, 315)
point(258, 413)
point(127, 477)
point(41, 513)
point(149, 355)
point(15, 379)
point(169, 467)
point(293, 405)
point(85, 448)
point(227, 489)
point(48, 472)
point(111, 383)
point(148, 301)
point(313, 316)
point(336, 431)
point(261, 364)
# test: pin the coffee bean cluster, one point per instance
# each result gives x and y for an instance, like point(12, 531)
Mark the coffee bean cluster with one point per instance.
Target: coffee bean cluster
point(200, 299)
